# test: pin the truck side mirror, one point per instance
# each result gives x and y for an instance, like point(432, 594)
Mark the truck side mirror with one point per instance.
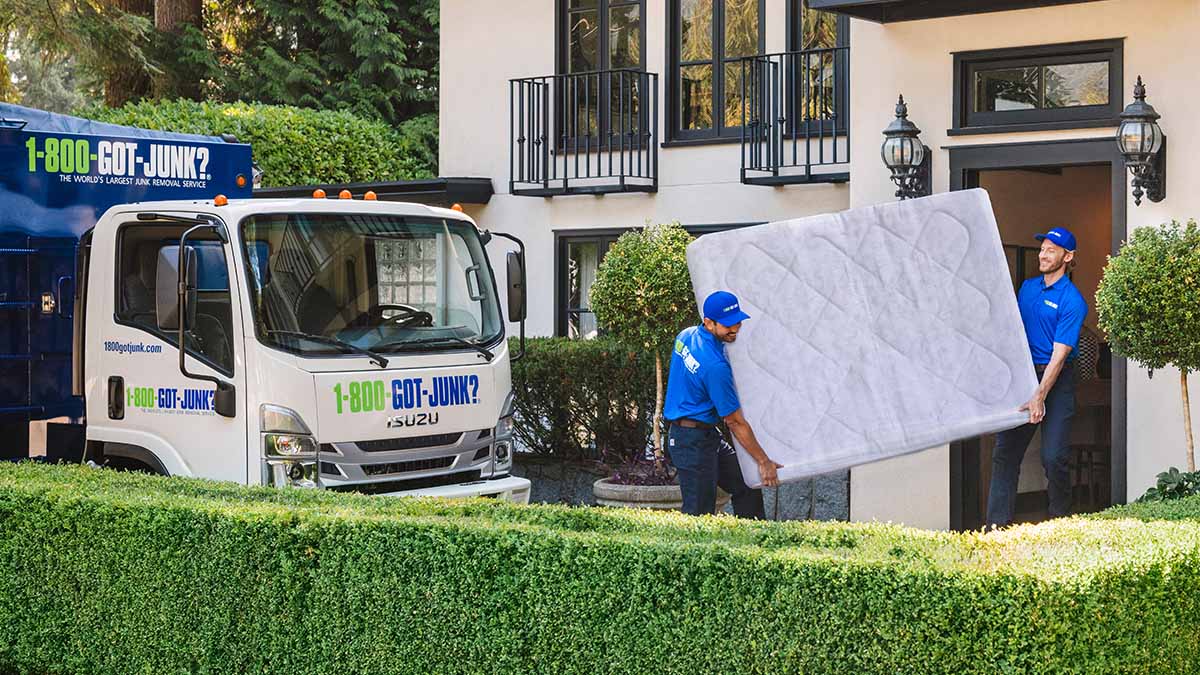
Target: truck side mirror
point(166, 288)
point(516, 287)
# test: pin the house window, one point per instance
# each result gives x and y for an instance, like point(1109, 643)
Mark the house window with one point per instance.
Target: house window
point(815, 86)
point(578, 259)
point(1036, 88)
point(596, 37)
point(707, 39)
point(814, 29)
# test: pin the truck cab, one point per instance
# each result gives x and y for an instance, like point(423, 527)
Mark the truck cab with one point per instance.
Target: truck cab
point(347, 344)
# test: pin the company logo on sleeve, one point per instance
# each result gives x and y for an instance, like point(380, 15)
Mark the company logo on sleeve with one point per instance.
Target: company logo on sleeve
point(689, 361)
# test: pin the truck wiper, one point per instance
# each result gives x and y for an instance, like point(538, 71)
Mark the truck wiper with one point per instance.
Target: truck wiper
point(403, 344)
point(377, 358)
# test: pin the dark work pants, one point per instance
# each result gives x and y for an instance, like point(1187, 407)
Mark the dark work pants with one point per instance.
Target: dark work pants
point(703, 461)
point(1056, 454)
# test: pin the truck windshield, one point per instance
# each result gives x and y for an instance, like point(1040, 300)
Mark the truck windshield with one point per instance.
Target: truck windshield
point(378, 282)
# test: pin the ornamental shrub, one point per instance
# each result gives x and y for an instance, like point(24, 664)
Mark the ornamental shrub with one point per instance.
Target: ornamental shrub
point(643, 297)
point(1148, 302)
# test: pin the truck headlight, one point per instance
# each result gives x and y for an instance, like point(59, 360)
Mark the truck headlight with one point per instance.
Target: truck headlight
point(289, 450)
point(502, 447)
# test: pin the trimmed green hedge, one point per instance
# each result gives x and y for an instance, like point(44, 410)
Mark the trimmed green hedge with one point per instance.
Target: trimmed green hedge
point(583, 399)
point(297, 146)
point(102, 572)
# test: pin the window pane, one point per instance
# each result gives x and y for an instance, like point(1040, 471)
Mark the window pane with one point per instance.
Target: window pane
point(584, 53)
point(584, 4)
point(625, 37)
point(1075, 84)
point(819, 69)
point(582, 260)
point(581, 325)
point(695, 97)
point(733, 94)
point(818, 30)
point(583, 106)
point(623, 91)
point(1007, 89)
point(696, 22)
point(741, 28)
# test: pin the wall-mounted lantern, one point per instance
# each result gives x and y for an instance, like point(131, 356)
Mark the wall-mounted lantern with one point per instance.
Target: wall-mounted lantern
point(1144, 147)
point(909, 160)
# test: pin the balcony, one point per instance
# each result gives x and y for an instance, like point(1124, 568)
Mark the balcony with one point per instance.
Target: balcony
point(795, 121)
point(584, 133)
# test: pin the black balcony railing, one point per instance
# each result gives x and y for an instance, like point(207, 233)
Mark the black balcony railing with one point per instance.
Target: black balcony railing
point(795, 117)
point(584, 133)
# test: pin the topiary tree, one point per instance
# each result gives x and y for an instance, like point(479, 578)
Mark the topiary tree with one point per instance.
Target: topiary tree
point(643, 297)
point(1149, 304)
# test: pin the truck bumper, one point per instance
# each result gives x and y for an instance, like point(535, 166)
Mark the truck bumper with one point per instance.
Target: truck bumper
point(512, 488)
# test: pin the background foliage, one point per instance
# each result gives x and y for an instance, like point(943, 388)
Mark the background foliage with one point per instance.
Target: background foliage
point(295, 146)
point(376, 59)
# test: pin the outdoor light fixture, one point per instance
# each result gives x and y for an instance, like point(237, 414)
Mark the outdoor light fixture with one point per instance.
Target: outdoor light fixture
point(1144, 147)
point(907, 157)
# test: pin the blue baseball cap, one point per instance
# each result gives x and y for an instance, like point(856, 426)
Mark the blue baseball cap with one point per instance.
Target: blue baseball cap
point(1059, 235)
point(724, 308)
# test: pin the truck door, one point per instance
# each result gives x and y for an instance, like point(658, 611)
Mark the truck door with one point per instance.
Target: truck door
point(146, 403)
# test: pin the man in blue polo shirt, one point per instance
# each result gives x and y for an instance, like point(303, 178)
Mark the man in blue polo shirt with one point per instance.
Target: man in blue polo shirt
point(1052, 310)
point(700, 392)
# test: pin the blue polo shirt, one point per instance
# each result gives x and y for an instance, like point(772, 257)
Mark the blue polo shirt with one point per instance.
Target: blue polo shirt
point(700, 383)
point(1051, 314)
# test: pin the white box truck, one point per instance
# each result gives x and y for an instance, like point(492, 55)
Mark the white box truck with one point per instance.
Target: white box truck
point(347, 344)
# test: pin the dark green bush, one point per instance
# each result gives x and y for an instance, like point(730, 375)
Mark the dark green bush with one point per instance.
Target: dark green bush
point(102, 572)
point(1173, 484)
point(297, 146)
point(583, 399)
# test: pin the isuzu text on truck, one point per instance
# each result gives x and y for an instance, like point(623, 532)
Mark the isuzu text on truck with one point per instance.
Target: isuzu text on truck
point(350, 344)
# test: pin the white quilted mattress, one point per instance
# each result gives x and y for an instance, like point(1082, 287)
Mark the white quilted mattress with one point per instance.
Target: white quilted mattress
point(874, 332)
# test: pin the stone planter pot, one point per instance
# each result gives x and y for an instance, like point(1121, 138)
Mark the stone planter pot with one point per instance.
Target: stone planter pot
point(666, 497)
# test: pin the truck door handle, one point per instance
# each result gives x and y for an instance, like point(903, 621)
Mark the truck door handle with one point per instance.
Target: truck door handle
point(62, 298)
point(116, 397)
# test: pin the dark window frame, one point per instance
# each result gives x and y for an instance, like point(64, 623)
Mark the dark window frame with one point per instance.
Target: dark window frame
point(719, 133)
point(170, 338)
point(794, 28)
point(967, 64)
point(562, 56)
point(563, 238)
point(562, 33)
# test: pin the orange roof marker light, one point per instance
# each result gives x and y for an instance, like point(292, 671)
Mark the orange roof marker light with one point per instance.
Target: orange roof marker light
point(318, 194)
point(220, 200)
point(370, 196)
point(345, 194)
point(457, 207)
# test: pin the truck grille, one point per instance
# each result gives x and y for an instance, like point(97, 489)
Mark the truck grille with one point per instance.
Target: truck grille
point(410, 443)
point(411, 484)
point(407, 467)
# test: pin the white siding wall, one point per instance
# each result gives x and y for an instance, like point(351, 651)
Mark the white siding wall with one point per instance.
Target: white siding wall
point(487, 43)
point(916, 58)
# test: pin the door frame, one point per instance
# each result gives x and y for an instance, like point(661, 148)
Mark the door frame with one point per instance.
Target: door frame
point(966, 161)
